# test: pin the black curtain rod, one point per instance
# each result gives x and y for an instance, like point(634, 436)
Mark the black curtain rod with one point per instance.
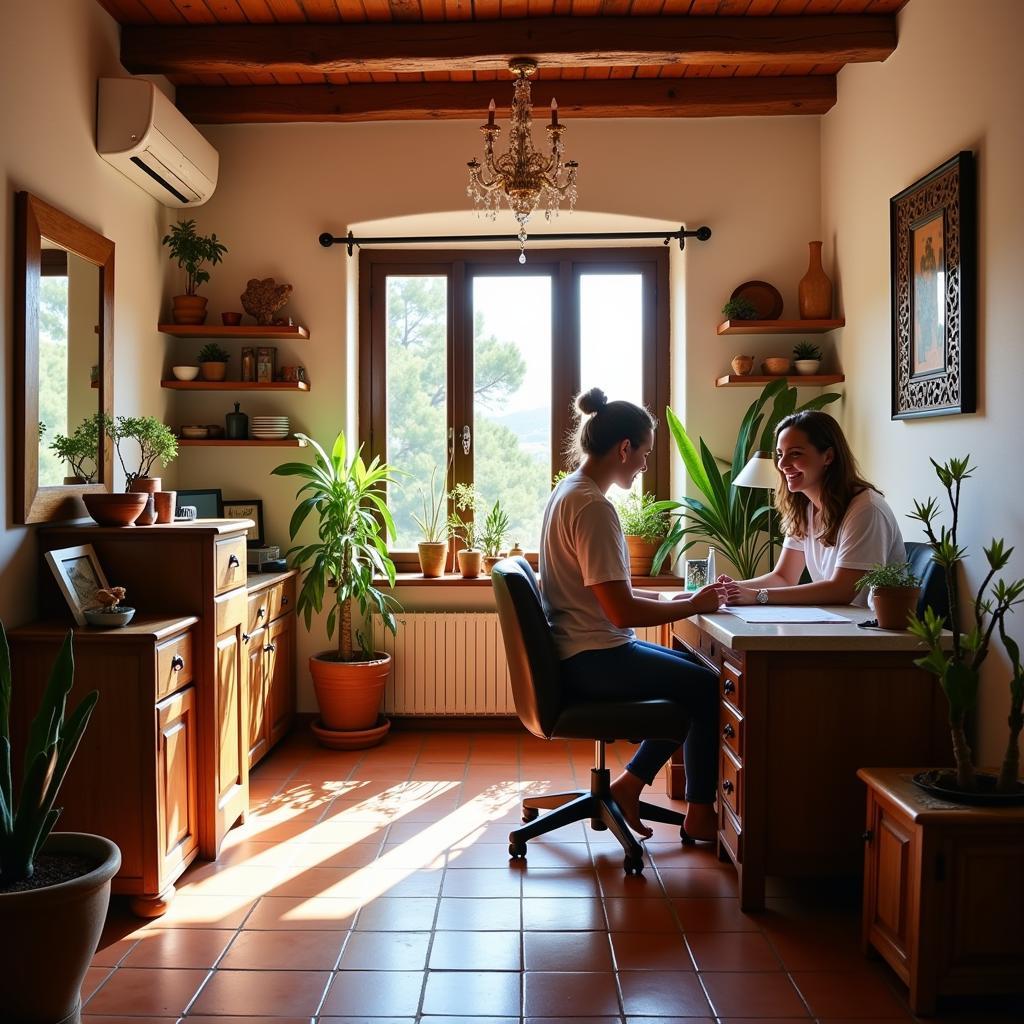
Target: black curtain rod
point(702, 234)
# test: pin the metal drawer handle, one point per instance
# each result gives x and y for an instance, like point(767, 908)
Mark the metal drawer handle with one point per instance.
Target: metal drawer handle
point(729, 686)
point(270, 648)
point(233, 562)
point(284, 601)
point(727, 786)
point(177, 663)
point(728, 732)
point(246, 637)
point(261, 613)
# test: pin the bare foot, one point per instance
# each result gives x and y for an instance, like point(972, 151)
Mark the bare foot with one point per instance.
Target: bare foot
point(701, 822)
point(626, 790)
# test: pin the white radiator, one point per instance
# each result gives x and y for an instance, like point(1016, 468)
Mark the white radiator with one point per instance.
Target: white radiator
point(450, 663)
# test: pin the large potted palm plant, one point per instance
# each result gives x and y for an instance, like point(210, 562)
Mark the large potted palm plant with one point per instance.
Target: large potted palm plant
point(350, 552)
point(54, 886)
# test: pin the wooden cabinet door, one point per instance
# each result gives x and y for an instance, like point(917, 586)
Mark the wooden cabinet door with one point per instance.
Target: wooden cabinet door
point(890, 884)
point(231, 761)
point(280, 677)
point(176, 792)
point(256, 660)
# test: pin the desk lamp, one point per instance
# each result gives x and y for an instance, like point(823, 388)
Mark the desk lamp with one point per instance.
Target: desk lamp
point(762, 472)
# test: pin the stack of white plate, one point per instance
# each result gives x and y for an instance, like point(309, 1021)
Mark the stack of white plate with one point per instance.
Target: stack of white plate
point(270, 428)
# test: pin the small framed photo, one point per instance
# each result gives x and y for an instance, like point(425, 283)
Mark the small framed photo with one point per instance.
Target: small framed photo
point(250, 508)
point(266, 360)
point(79, 576)
point(209, 504)
point(696, 575)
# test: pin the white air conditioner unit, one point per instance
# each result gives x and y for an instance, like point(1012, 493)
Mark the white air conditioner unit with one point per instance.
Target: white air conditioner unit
point(141, 132)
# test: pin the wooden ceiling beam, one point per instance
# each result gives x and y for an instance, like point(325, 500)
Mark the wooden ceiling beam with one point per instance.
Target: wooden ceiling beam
point(429, 101)
point(489, 45)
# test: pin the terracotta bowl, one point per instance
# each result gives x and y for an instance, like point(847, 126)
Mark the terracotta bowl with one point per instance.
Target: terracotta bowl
point(115, 509)
point(775, 366)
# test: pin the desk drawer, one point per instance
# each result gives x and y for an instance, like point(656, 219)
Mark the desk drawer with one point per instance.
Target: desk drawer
point(281, 598)
point(173, 665)
point(731, 730)
point(732, 684)
point(229, 564)
point(710, 648)
point(731, 835)
point(730, 777)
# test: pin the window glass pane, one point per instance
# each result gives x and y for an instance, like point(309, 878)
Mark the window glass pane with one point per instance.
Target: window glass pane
point(417, 398)
point(611, 339)
point(512, 400)
point(53, 377)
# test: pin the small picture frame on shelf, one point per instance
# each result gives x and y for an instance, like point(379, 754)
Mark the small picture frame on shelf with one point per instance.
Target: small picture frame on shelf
point(79, 575)
point(696, 573)
point(250, 508)
point(266, 358)
point(208, 503)
point(248, 364)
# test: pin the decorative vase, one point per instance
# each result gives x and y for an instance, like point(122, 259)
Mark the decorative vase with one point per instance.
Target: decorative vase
point(814, 292)
point(213, 371)
point(165, 502)
point(189, 309)
point(807, 367)
point(490, 561)
point(349, 692)
point(641, 554)
point(892, 605)
point(433, 555)
point(742, 365)
point(237, 424)
point(147, 517)
point(516, 551)
point(470, 561)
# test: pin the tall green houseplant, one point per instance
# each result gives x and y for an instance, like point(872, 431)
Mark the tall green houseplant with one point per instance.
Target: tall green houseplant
point(192, 250)
point(354, 524)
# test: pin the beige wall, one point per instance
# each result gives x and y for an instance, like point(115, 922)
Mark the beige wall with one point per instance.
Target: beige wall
point(955, 82)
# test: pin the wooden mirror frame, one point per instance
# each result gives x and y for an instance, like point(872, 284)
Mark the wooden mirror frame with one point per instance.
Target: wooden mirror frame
point(35, 220)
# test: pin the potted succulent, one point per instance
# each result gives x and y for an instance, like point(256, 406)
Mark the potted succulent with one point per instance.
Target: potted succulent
point(353, 526)
point(81, 451)
point(111, 614)
point(806, 357)
point(492, 536)
point(433, 548)
point(958, 666)
point(739, 309)
point(462, 526)
point(645, 522)
point(155, 442)
point(54, 887)
point(213, 361)
point(893, 593)
point(192, 251)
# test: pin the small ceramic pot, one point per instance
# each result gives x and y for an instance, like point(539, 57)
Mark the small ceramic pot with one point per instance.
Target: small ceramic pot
point(775, 366)
point(189, 309)
point(231, 319)
point(115, 509)
point(742, 365)
point(213, 371)
point(433, 555)
point(892, 605)
point(146, 484)
point(164, 502)
point(490, 561)
point(470, 561)
point(807, 367)
point(109, 620)
point(185, 372)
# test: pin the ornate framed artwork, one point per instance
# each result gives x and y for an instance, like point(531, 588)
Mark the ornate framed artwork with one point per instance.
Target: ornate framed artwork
point(932, 229)
point(250, 508)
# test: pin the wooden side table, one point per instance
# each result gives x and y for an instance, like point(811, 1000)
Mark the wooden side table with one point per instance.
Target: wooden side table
point(943, 890)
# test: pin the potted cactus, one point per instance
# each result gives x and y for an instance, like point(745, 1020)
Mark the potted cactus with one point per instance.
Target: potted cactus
point(806, 358)
point(54, 887)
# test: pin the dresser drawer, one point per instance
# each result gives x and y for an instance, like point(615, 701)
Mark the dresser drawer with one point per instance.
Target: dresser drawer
point(731, 835)
point(732, 684)
point(173, 665)
point(281, 598)
point(730, 778)
point(229, 564)
point(731, 730)
point(229, 611)
point(257, 611)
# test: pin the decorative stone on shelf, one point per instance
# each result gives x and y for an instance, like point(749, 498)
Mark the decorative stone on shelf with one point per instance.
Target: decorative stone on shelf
point(262, 299)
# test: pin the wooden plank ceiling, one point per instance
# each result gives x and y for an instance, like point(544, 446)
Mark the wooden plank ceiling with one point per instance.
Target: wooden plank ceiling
point(238, 61)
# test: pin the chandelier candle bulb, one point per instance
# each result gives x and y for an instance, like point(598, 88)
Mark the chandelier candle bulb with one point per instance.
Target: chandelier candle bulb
point(554, 112)
point(490, 114)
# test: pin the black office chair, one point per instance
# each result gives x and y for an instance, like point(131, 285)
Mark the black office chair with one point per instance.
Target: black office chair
point(546, 712)
point(932, 577)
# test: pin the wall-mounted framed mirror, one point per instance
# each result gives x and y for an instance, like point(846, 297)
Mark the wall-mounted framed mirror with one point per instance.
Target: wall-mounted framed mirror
point(64, 358)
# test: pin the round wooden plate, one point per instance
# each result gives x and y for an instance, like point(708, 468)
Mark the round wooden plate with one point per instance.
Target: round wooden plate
point(764, 296)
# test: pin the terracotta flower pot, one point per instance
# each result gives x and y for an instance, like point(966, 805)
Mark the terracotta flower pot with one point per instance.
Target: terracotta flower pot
point(146, 484)
point(775, 366)
point(433, 555)
point(814, 293)
point(54, 932)
point(349, 692)
point(893, 605)
point(470, 562)
point(641, 554)
point(189, 309)
point(165, 502)
point(490, 561)
point(213, 371)
point(742, 365)
point(115, 509)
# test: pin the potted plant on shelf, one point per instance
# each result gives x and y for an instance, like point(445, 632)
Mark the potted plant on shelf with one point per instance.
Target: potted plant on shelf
point(213, 361)
point(353, 526)
point(192, 251)
point(110, 614)
point(156, 443)
point(739, 309)
point(958, 666)
point(54, 887)
point(645, 522)
point(493, 534)
point(806, 358)
point(893, 593)
point(81, 451)
point(433, 548)
point(462, 526)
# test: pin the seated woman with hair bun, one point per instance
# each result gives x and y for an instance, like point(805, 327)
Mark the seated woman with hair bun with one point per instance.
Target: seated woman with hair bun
point(588, 600)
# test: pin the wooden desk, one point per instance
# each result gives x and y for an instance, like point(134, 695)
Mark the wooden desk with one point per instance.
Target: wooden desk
point(803, 707)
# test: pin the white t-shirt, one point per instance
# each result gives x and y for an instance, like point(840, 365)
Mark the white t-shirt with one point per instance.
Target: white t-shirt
point(581, 543)
point(868, 536)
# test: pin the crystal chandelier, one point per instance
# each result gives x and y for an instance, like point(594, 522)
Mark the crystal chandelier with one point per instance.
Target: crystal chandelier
point(521, 175)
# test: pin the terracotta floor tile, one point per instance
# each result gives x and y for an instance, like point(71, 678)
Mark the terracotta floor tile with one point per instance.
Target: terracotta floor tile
point(698, 883)
point(179, 947)
point(354, 855)
point(476, 951)
point(113, 952)
point(385, 951)
point(273, 993)
point(106, 1018)
point(503, 881)
point(572, 915)
point(659, 951)
point(356, 1020)
point(713, 915)
point(232, 879)
point(567, 1020)
point(813, 947)
point(732, 951)
point(355, 993)
point(189, 910)
point(397, 914)
point(202, 1019)
point(753, 995)
point(434, 1019)
point(613, 881)
point(854, 994)
point(587, 951)
point(570, 994)
point(663, 992)
point(682, 1020)
point(283, 951)
point(480, 914)
point(294, 913)
point(94, 977)
point(675, 855)
point(640, 915)
point(473, 993)
point(559, 883)
point(150, 991)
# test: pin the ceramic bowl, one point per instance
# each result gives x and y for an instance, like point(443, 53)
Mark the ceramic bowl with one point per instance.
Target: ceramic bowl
point(185, 372)
point(109, 620)
point(231, 319)
point(115, 509)
point(194, 433)
point(775, 366)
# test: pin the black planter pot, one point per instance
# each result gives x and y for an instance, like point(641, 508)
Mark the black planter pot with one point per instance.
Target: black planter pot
point(941, 782)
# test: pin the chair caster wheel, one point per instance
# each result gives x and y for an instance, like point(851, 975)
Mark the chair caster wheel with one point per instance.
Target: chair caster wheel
point(517, 850)
point(633, 865)
point(530, 814)
point(686, 839)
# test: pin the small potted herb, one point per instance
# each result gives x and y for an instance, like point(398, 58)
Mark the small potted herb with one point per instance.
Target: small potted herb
point(806, 357)
point(739, 309)
point(111, 613)
point(462, 526)
point(433, 548)
point(893, 593)
point(213, 361)
point(492, 537)
point(192, 251)
point(645, 523)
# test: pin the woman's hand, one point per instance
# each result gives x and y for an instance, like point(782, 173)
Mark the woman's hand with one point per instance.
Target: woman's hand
point(709, 599)
point(741, 595)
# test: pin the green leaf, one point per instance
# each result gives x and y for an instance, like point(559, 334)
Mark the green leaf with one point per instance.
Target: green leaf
point(691, 459)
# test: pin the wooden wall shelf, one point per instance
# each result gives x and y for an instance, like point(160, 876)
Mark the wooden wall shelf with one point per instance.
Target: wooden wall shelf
point(779, 326)
point(816, 380)
point(222, 442)
point(234, 385)
point(254, 331)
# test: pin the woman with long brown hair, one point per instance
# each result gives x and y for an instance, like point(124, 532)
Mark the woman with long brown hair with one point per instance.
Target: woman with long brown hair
point(837, 524)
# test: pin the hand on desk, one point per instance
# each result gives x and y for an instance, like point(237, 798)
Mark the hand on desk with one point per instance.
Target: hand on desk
point(707, 599)
point(736, 594)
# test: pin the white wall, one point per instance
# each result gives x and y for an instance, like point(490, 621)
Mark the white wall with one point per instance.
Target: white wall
point(955, 82)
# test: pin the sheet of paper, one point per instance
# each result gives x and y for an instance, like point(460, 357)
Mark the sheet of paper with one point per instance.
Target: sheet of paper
point(783, 613)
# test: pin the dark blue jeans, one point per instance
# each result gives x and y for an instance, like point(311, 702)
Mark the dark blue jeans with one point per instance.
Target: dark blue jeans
point(646, 671)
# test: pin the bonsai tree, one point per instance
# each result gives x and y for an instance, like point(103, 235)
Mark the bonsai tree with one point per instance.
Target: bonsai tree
point(155, 441)
point(192, 251)
point(642, 515)
point(958, 666)
point(461, 523)
point(52, 741)
point(213, 353)
point(495, 530)
point(740, 309)
point(353, 527)
point(81, 451)
point(806, 350)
